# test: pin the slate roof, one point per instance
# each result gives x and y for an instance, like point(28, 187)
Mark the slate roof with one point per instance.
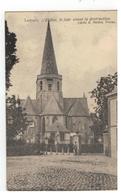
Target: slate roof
point(35, 105)
point(30, 105)
point(68, 102)
point(76, 107)
point(52, 107)
point(72, 107)
point(49, 62)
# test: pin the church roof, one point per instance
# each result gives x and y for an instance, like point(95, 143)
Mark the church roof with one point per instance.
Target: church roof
point(76, 106)
point(52, 107)
point(72, 107)
point(68, 102)
point(49, 62)
point(29, 105)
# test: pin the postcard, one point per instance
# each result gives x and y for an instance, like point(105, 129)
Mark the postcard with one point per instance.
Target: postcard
point(61, 100)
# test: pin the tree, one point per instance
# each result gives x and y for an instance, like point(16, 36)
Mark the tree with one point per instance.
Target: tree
point(104, 86)
point(16, 120)
point(15, 117)
point(10, 53)
point(96, 127)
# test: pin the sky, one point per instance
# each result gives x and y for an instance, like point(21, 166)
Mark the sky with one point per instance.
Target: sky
point(84, 44)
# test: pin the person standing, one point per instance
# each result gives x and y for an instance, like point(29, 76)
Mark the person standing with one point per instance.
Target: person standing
point(75, 148)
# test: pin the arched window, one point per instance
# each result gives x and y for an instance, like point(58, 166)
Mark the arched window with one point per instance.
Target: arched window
point(55, 118)
point(79, 126)
point(41, 85)
point(58, 86)
point(43, 125)
point(50, 82)
point(49, 86)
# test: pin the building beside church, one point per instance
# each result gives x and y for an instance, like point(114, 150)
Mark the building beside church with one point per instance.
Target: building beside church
point(51, 116)
point(110, 134)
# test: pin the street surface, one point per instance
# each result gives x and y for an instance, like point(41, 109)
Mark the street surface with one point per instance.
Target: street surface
point(61, 172)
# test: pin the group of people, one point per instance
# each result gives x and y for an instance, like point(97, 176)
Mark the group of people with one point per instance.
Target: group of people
point(75, 148)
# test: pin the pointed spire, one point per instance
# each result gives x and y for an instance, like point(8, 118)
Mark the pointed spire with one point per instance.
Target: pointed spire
point(49, 62)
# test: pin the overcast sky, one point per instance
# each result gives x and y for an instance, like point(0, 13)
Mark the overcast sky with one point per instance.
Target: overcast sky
point(84, 52)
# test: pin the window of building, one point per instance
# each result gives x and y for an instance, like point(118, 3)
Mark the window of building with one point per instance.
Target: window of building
point(58, 86)
point(41, 85)
point(55, 118)
point(31, 124)
point(79, 126)
point(74, 126)
point(43, 125)
point(50, 82)
point(61, 136)
point(66, 121)
point(49, 86)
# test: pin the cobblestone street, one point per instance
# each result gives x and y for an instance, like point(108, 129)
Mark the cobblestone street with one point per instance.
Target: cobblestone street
point(61, 172)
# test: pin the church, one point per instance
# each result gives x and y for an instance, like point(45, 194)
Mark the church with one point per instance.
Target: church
point(51, 116)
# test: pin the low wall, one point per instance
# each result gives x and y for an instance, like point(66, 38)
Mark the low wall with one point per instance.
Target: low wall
point(92, 148)
point(34, 149)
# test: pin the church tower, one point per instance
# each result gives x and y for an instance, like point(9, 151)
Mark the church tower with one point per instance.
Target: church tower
point(49, 82)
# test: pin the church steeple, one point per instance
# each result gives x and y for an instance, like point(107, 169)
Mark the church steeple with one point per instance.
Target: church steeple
point(49, 62)
point(49, 82)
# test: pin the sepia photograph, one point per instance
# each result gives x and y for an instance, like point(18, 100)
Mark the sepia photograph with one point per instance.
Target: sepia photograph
point(61, 100)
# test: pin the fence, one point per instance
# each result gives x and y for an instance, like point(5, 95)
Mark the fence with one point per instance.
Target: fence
point(34, 149)
point(92, 148)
